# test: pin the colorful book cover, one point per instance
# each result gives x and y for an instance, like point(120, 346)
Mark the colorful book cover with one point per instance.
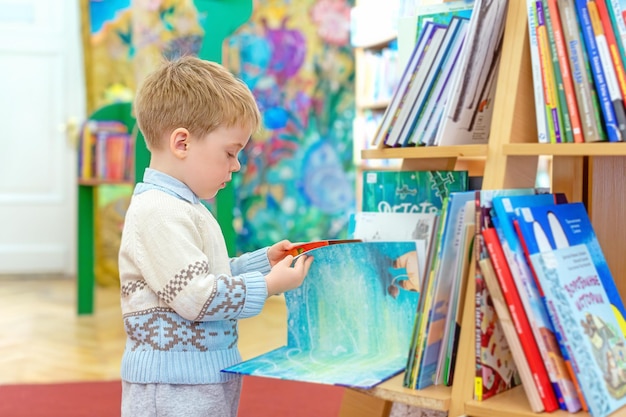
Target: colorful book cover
point(583, 317)
point(509, 327)
point(350, 322)
point(524, 347)
point(442, 13)
point(504, 209)
point(410, 191)
point(495, 368)
point(561, 225)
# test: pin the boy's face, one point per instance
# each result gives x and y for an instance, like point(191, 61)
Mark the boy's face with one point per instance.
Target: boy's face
point(212, 159)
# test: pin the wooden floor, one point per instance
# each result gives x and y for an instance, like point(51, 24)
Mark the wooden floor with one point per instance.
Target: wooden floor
point(42, 339)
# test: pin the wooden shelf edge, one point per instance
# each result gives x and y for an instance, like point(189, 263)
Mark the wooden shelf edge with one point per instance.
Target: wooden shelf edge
point(435, 397)
point(565, 149)
point(460, 151)
point(514, 403)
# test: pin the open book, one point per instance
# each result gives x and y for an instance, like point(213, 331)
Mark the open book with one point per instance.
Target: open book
point(350, 322)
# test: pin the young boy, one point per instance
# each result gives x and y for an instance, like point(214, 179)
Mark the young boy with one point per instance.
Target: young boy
point(181, 294)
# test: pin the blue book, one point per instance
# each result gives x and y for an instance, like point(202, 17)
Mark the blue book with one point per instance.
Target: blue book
point(547, 229)
point(582, 313)
point(563, 382)
point(350, 322)
point(410, 191)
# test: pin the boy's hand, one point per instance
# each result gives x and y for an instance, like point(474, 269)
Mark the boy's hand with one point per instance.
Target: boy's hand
point(283, 277)
point(278, 251)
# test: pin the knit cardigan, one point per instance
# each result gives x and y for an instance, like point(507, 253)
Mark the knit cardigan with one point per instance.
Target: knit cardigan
point(181, 295)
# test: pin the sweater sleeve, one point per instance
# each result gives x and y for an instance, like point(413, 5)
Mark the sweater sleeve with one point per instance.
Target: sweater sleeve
point(251, 261)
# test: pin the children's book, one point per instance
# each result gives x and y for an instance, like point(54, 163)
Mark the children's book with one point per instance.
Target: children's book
point(419, 338)
point(518, 331)
point(563, 381)
point(445, 374)
point(410, 191)
point(495, 368)
point(563, 225)
point(404, 84)
point(513, 339)
point(467, 117)
point(437, 328)
point(398, 227)
point(583, 317)
point(350, 322)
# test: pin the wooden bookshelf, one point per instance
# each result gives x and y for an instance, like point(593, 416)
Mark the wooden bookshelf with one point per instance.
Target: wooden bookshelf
point(591, 172)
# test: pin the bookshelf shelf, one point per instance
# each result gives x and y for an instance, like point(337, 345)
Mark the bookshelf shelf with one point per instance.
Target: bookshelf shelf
point(565, 149)
point(589, 172)
point(434, 397)
point(463, 151)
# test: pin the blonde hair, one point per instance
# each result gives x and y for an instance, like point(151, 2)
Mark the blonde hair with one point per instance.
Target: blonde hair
point(195, 94)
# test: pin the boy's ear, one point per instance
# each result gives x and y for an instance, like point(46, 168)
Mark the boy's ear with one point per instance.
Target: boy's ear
point(179, 140)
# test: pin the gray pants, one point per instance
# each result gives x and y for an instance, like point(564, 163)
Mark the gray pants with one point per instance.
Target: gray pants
point(163, 400)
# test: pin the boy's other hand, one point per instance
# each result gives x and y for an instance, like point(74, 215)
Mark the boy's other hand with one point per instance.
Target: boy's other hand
point(284, 277)
point(278, 251)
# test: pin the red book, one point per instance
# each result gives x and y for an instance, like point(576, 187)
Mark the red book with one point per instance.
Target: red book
point(520, 320)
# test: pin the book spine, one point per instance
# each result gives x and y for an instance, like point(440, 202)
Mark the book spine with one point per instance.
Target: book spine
point(562, 110)
point(405, 81)
point(547, 70)
point(616, 10)
point(583, 88)
point(520, 321)
point(610, 71)
point(599, 78)
point(540, 107)
point(614, 49)
point(571, 107)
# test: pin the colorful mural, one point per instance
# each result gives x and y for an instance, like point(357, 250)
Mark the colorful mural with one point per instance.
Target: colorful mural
point(128, 39)
point(297, 177)
point(297, 180)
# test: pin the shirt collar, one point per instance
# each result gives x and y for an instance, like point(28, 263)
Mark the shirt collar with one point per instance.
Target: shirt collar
point(153, 179)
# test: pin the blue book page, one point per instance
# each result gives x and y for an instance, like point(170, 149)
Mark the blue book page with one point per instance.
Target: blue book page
point(350, 322)
point(584, 320)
